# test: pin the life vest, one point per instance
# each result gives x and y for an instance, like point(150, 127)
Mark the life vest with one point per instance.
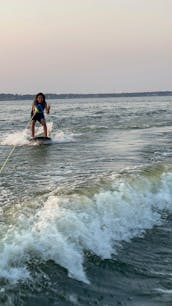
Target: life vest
point(39, 107)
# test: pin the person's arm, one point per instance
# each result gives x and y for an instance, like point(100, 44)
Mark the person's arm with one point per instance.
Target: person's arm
point(47, 108)
point(33, 108)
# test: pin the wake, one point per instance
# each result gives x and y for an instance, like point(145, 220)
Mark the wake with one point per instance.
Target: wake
point(21, 138)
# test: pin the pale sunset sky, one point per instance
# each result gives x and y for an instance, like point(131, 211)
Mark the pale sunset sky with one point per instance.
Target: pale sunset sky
point(85, 46)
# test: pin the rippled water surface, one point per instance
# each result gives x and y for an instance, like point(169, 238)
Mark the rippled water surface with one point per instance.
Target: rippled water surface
point(86, 220)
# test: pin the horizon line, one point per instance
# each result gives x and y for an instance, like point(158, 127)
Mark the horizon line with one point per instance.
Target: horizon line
point(5, 96)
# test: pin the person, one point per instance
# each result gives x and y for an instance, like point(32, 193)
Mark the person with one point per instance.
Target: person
point(37, 114)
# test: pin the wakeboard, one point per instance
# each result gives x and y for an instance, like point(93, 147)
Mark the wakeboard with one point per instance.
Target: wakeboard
point(41, 140)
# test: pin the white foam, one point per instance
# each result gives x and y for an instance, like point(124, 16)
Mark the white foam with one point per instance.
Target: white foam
point(67, 225)
point(164, 291)
point(18, 138)
point(63, 137)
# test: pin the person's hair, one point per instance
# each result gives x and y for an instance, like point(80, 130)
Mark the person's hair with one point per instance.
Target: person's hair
point(39, 94)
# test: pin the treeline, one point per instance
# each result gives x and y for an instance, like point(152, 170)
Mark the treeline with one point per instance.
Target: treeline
point(9, 97)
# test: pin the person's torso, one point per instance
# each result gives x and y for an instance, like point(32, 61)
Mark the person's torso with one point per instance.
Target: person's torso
point(40, 107)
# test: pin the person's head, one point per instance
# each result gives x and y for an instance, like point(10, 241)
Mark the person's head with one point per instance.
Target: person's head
point(40, 98)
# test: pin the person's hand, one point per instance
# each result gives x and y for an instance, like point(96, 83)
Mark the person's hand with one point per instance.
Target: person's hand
point(48, 109)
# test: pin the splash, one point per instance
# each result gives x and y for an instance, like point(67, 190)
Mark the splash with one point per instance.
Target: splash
point(68, 225)
point(62, 137)
point(20, 138)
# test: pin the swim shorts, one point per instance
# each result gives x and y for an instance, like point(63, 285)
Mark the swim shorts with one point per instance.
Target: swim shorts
point(38, 117)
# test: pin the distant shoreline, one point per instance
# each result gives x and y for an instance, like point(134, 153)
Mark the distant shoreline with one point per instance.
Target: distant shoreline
point(9, 97)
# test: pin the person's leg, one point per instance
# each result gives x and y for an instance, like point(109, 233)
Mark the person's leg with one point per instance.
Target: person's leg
point(33, 128)
point(43, 122)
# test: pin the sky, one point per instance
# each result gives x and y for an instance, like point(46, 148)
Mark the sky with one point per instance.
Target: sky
point(85, 46)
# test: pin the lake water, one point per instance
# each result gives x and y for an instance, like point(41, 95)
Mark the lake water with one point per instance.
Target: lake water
point(87, 220)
